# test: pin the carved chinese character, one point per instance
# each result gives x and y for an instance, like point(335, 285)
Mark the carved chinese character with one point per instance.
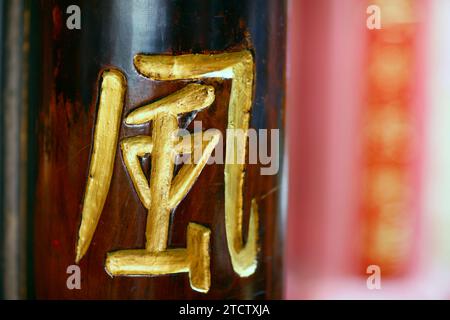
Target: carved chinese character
point(164, 191)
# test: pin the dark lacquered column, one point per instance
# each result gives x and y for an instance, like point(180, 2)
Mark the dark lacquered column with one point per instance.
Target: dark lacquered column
point(112, 33)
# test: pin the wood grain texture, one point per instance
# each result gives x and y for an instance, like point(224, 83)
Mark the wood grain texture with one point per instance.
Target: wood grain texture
point(112, 33)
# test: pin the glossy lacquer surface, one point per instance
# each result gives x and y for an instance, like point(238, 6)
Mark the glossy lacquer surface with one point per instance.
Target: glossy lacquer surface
point(112, 34)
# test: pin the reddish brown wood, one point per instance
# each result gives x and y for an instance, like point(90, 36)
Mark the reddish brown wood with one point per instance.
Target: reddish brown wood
point(72, 63)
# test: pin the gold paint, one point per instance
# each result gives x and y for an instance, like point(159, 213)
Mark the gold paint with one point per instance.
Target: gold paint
point(192, 97)
point(164, 192)
point(164, 114)
point(189, 172)
point(194, 259)
point(240, 67)
point(132, 149)
point(103, 154)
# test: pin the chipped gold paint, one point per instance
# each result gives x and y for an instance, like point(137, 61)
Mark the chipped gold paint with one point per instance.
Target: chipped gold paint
point(103, 154)
point(163, 192)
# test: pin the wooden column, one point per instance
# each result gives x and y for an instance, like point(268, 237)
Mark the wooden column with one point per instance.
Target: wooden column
point(73, 66)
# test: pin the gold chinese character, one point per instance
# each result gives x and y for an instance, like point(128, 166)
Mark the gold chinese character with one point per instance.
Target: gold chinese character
point(163, 192)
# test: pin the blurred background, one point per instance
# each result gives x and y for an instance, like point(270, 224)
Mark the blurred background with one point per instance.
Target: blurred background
point(368, 115)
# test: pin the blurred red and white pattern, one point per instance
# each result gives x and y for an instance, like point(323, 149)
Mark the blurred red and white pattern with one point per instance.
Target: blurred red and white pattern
point(368, 121)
